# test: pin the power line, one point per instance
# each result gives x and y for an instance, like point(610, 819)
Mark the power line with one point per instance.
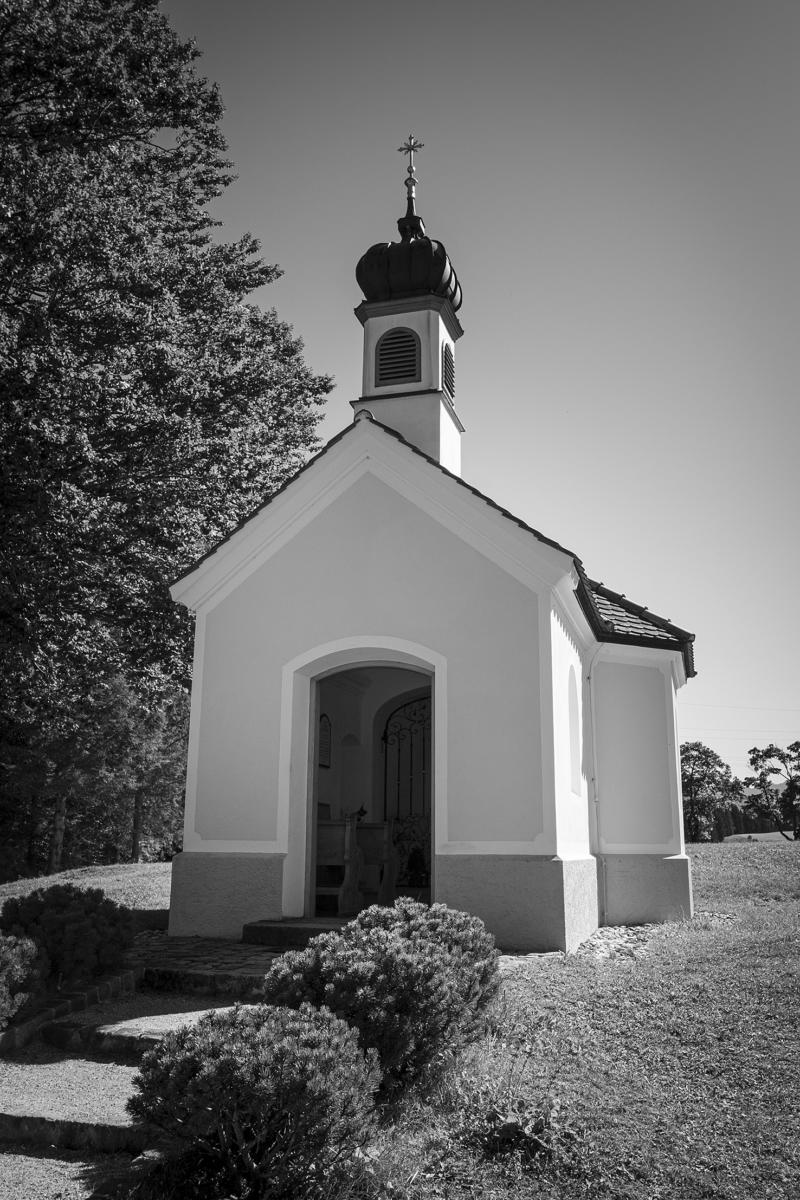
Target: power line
point(738, 707)
point(742, 732)
point(731, 737)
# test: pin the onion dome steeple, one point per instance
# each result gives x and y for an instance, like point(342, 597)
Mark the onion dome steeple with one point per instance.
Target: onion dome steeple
point(414, 266)
point(411, 295)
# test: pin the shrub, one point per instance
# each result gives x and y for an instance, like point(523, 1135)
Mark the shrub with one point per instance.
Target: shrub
point(19, 975)
point(472, 948)
point(411, 995)
point(270, 1100)
point(82, 932)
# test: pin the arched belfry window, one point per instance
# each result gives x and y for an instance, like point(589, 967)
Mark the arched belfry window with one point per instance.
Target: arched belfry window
point(448, 371)
point(397, 358)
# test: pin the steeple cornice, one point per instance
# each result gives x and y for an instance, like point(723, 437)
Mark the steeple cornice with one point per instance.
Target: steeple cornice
point(390, 308)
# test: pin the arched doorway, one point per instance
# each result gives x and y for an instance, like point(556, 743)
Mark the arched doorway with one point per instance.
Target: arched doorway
point(371, 788)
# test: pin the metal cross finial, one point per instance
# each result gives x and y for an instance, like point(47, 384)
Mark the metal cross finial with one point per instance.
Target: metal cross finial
point(409, 148)
point(410, 225)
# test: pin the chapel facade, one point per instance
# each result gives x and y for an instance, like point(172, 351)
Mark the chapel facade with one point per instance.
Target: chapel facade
point(402, 689)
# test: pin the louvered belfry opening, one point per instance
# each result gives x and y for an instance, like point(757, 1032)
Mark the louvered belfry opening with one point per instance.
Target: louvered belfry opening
point(397, 358)
point(448, 371)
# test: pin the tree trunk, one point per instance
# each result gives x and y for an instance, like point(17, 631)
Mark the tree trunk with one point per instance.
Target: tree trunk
point(57, 834)
point(138, 821)
point(31, 861)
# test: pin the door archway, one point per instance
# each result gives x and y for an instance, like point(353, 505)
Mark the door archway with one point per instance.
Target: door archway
point(299, 733)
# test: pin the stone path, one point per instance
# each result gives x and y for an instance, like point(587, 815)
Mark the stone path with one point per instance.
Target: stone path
point(217, 957)
point(211, 956)
point(207, 966)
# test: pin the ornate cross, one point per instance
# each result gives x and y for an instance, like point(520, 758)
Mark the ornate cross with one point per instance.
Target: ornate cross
point(409, 148)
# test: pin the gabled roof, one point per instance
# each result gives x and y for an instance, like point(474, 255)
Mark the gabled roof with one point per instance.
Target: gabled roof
point(611, 616)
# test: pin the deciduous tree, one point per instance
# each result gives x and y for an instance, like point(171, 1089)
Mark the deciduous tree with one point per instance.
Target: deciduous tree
point(146, 406)
point(708, 786)
point(773, 791)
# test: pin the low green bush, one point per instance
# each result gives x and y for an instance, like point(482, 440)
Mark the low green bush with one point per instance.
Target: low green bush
point(81, 932)
point(271, 1102)
point(411, 994)
point(472, 948)
point(19, 975)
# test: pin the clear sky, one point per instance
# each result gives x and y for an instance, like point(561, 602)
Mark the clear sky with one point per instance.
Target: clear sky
point(617, 183)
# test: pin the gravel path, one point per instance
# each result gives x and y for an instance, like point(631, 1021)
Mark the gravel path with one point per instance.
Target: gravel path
point(144, 1004)
point(40, 1174)
point(39, 1081)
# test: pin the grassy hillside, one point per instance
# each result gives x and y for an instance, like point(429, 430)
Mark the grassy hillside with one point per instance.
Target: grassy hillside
point(134, 885)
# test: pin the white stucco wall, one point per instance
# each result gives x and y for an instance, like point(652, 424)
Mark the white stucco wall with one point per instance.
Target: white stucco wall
point(638, 782)
point(373, 561)
point(426, 421)
point(571, 791)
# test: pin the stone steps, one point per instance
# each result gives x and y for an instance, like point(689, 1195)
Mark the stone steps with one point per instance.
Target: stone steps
point(68, 1085)
point(289, 934)
point(122, 1041)
point(53, 1099)
point(243, 985)
point(92, 1136)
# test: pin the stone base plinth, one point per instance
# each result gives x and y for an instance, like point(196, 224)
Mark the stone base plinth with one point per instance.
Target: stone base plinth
point(529, 903)
point(640, 888)
point(214, 895)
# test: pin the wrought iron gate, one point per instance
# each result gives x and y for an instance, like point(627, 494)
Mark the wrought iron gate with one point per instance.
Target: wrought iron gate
point(407, 761)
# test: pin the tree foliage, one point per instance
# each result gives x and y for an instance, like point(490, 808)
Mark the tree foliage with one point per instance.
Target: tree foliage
point(708, 787)
point(146, 406)
point(773, 790)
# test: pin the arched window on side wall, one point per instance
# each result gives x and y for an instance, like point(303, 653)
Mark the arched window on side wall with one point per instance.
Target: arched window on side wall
point(574, 734)
point(397, 358)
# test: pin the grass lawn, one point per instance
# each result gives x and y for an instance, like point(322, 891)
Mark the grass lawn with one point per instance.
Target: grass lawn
point(676, 1075)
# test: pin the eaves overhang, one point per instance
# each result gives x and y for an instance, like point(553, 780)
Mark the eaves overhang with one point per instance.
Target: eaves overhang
point(617, 620)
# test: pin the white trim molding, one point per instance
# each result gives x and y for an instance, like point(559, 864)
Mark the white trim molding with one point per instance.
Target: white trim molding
point(295, 773)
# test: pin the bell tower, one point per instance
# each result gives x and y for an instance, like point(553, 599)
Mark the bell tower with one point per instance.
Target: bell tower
point(411, 297)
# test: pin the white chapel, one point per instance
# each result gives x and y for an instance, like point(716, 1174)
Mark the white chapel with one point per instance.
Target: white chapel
point(401, 688)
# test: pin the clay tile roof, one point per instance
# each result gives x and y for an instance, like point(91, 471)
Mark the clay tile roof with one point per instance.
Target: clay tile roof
point(615, 618)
